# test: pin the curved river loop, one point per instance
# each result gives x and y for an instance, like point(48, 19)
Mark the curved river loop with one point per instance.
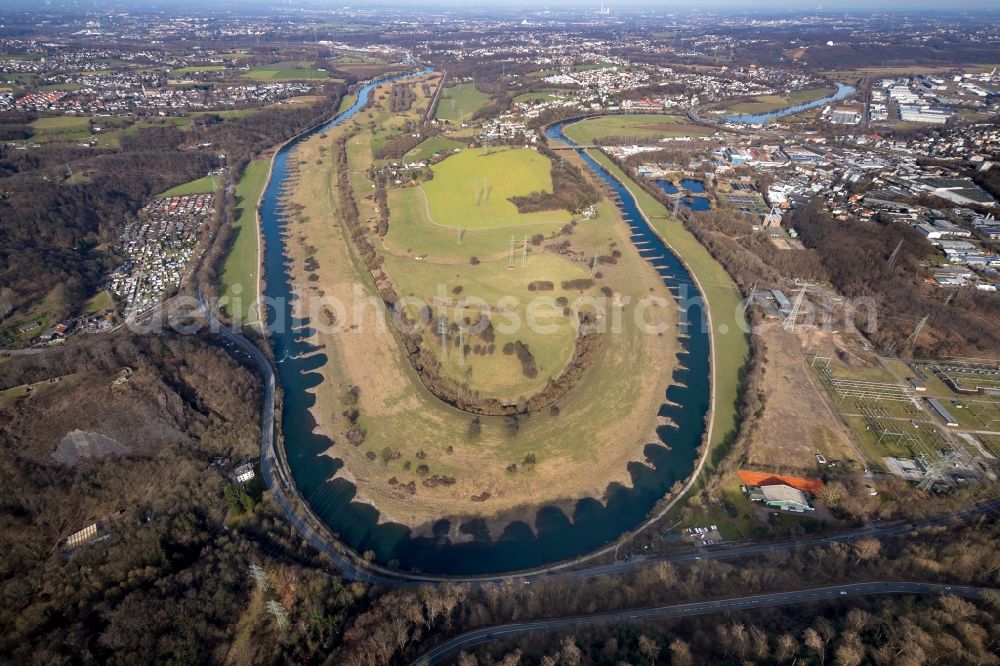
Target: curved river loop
point(843, 90)
point(554, 536)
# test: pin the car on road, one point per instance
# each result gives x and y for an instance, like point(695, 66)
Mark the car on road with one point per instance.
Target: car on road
point(843, 593)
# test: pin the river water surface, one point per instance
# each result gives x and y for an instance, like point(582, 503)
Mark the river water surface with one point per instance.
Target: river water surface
point(552, 535)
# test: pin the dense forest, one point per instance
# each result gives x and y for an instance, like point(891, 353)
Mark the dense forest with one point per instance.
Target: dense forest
point(855, 257)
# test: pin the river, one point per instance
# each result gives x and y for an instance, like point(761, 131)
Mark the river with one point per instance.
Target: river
point(553, 536)
point(843, 90)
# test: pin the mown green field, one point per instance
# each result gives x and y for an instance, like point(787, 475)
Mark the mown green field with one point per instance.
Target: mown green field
point(471, 189)
point(241, 266)
point(411, 233)
point(645, 125)
point(203, 185)
point(431, 147)
point(460, 102)
point(61, 124)
point(62, 128)
point(768, 103)
point(184, 71)
point(286, 71)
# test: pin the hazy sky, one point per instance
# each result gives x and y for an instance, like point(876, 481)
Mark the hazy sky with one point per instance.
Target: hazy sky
point(616, 6)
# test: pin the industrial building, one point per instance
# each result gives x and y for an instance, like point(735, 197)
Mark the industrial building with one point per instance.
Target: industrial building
point(940, 410)
point(782, 497)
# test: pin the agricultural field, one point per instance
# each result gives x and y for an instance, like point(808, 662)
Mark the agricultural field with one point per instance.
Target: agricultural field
point(644, 125)
point(459, 102)
point(471, 189)
point(768, 103)
point(199, 69)
point(286, 71)
point(203, 185)
point(572, 452)
point(61, 128)
point(241, 265)
point(431, 147)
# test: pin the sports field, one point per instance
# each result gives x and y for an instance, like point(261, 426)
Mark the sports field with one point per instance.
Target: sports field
point(471, 189)
point(241, 265)
point(458, 103)
point(644, 125)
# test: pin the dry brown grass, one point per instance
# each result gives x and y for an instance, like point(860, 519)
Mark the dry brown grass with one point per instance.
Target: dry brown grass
point(798, 420)
point(604, 423)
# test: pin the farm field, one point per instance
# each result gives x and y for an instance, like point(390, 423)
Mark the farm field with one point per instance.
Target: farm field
point(471, 189)
point(768, 103)
point(204, 185)
point(554, 455)
point(241, 267)
point(286, 71)
point(184, 71)
point(61, 128)
point(640, 125)
point(460, 102)
point(431, 147)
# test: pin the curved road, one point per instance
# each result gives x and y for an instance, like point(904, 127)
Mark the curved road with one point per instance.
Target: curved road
point(503, 631)
point(355, 569)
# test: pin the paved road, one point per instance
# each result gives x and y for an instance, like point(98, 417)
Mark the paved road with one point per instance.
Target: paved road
point(274, 478)
point(504, 631)
point(354, 569)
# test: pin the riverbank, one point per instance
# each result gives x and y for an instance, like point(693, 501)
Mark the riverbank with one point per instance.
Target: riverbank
point(730, 349)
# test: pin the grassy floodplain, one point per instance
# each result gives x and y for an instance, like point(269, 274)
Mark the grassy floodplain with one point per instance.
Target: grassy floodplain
point(644, 125)
point(410, 435)
point(241, 266)
point(432, 147)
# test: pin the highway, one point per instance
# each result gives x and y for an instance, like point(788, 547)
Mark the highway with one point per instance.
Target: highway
point(505, 631)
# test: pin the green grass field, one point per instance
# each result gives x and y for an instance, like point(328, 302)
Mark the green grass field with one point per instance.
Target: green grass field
point(241, 267)
point(645, 125)
point(62, 128)
point(61, 124)
point(768, 103)
point(203, 185)
point(286, 71)
point(471, 189)
point(431, 147)
point(184, 71)
point(460, 102)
